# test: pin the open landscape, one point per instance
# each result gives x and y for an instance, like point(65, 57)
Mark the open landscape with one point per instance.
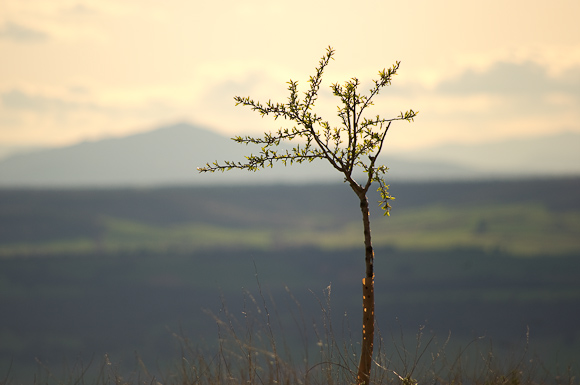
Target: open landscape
point(151, 233)
point(133, 275)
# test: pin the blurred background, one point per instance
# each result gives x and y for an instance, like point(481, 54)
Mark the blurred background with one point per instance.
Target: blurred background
point(85, 70)
point(112, 243)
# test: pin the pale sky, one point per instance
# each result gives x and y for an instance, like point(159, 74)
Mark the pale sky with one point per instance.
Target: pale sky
point(477, 71)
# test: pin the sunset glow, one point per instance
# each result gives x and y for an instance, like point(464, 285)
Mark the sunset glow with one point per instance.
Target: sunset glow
point(77, 70)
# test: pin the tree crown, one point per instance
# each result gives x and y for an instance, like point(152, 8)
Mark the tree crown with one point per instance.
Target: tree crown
point(355, 144)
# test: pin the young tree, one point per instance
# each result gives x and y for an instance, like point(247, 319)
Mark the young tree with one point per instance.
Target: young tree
point(353, 146)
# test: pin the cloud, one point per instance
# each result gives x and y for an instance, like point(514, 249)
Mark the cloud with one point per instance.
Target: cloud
point(20, 33)
point(80, 9)
point(18, 100)
point(510, 79)
point(69, 115)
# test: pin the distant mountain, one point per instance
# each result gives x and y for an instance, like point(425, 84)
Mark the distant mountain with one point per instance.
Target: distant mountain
point(554, 155)
point(6, 151)
point(170, 155)
point(165, 155)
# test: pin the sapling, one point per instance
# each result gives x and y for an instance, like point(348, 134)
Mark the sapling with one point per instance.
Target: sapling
point(354, 145)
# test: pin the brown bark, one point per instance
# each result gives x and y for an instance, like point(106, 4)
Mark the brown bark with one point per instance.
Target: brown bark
point(368, 325)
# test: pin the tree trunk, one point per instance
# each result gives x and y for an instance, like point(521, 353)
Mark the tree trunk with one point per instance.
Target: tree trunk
point(368, 283)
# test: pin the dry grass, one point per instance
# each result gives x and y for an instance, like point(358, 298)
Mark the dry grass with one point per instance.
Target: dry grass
point(252, 349)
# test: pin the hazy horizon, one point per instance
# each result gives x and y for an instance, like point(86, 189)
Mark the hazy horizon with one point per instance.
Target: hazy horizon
point(133, 160)
point(10, 149)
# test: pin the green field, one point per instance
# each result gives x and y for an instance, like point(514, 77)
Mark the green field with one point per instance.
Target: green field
point(518, 229)
point(77, 222)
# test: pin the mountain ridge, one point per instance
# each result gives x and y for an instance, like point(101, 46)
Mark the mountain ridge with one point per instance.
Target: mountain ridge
point(549, 154)
point(170, 155)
